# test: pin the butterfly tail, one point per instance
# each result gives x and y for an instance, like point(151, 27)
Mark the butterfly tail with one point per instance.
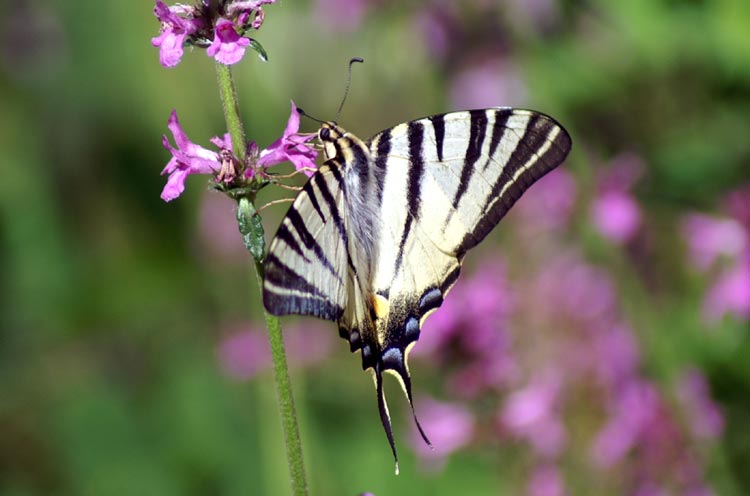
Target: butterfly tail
point(385, 417)
point(398, 368)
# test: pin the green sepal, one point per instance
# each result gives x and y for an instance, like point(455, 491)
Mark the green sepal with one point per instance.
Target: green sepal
point(255, 45)
point(251, 228)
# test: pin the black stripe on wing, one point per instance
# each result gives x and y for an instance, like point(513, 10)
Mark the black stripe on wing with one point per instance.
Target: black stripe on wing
point(298, 296)
point(507, 190)
point(477, 132)
point(415, 136)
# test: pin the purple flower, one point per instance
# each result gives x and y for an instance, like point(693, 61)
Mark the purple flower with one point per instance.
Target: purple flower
point(540, 14)
point(291, 146)
point(730, 293)
point(533, 413)
point(574, 289)
point(437, 26)
point(174, 31)
point(617, 216)
point(615, 354)
point(486, 82)
point(450, 427)
point(546, 481)
point(636, 407)
point(737, 205)
point(706, 421)
point(615, 212)
point(549, 204)
point(710, 238)
point(343, 15)
point(245, 352)
point(189, 158)
point(218, 234)
point(472, 325)
point(228, 46)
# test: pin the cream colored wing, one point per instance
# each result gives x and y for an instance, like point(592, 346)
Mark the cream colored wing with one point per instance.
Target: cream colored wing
point(306, 265)
point(444, 182)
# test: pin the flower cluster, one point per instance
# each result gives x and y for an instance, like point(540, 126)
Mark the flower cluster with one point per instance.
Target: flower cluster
point(244, 352)
point(719, 246)
point(189, 158)
point(547, 344)
point(615, 212)
point(219, 26)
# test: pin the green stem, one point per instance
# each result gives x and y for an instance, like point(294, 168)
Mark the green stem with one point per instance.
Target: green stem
point(246, 212)
point(231, 108)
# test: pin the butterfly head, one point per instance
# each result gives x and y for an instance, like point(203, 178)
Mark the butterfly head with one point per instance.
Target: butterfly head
point(329, 134)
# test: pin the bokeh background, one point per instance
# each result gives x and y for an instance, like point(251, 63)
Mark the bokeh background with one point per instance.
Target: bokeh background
point(597, 342)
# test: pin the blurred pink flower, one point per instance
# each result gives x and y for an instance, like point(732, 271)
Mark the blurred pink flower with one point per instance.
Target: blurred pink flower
point(218, 229)
point(443, 324)
point(699, 490)
point(450, 427)
point(546, 481)
point(615, 353)
point(487, 83)
point(706, 420)
point(737, 205)
point(245, 353)
point(475, 302)
point(615, 211)
point(541, 14)
point(730, 293)
point(342, 15)
point(617, 216)
point(435, 24)
point(472, 326)
point(575, 290)
point(710, 238)
point(549, 204)
point(634, 410)
point(649, 488)
point(533, 414)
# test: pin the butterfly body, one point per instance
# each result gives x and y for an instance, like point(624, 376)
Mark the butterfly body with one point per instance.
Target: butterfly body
point(375, 239)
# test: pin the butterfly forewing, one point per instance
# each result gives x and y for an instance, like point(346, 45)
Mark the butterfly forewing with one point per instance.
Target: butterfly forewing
point(306, 266)
point(447, 181)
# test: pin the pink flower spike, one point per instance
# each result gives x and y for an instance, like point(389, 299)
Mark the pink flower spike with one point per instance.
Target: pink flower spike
point(188, 158)
point(290, 147)
point(228, 46)
point(174, 31)
point(248, 5)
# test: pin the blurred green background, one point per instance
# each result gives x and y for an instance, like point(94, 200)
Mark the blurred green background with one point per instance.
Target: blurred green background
point(117, 309)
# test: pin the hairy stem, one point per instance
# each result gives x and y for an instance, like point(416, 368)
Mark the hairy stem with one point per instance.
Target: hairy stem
point(252, 230)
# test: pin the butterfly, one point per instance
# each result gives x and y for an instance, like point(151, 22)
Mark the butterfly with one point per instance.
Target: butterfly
point(375, 240)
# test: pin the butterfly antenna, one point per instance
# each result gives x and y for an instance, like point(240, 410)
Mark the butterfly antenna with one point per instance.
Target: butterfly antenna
point(305, 114)
point(348, 83)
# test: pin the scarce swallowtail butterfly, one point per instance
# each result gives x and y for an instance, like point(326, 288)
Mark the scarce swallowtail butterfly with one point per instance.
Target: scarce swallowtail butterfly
point(375, 239)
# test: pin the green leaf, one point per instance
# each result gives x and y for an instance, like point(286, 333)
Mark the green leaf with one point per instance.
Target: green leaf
point(251, 229)
point(255, 45)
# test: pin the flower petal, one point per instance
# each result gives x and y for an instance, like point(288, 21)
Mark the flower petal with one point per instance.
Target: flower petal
point(228, 47)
